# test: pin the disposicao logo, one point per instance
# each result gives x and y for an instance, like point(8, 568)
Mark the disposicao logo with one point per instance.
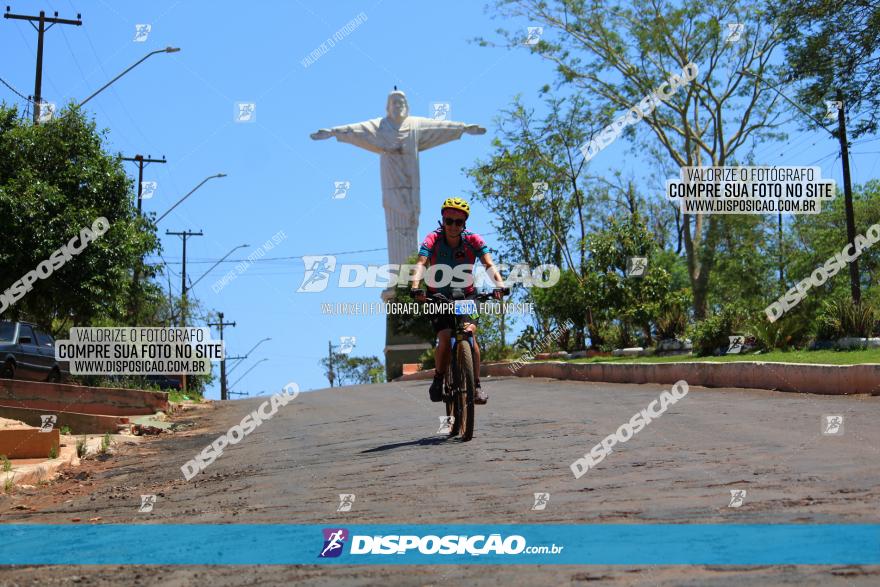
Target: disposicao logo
point(334, 540)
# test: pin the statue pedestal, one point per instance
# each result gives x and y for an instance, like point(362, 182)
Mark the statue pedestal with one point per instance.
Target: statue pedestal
point(400, 347)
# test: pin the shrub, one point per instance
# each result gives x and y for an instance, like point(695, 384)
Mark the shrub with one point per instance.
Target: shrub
point(672, 321)
point(619, 335)
point(842, 317)
point(427, 359)
point(712, 334)
point(105, 443)
point(783, 334)
point(81, 447)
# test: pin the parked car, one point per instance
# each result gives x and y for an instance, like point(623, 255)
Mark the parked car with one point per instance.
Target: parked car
point(28, 353)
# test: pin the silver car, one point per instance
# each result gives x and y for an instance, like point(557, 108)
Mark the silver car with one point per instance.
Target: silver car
point(28, 353)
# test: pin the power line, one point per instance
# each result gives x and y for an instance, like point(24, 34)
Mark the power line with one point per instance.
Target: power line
point(288, 258)
point(20, 95)
point(284, 258)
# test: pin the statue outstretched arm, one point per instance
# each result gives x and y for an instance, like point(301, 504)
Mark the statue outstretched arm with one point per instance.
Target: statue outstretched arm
point(360, 134)
point(437, 132)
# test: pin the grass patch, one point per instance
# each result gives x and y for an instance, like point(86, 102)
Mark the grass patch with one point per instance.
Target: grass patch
point(178, 396)
point(81, 447)
point(828, 357)
point(105, 443)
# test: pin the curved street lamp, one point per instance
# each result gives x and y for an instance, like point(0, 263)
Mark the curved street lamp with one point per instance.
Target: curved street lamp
point(246, 372)
point(204, 181)
point(144, 58)
point(247, 354)
point(192, 285)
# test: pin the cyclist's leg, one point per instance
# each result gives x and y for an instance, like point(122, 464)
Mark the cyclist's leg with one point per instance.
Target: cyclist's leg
point(443, 354)
point(481, 396)
point(471, 327)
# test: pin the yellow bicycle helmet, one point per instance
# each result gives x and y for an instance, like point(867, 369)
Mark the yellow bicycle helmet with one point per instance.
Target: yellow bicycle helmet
point(456, 204)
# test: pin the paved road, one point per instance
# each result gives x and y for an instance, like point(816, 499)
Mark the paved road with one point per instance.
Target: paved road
point(381, 444)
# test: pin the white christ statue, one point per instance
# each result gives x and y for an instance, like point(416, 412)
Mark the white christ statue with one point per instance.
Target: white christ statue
point(398, 138)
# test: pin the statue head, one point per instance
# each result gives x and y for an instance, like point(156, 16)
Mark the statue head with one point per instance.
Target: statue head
point(397, 107)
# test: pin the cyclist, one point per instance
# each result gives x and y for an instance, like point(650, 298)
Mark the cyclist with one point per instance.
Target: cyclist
point(451, 245)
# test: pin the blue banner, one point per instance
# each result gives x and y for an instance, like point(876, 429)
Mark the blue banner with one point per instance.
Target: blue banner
point(591, 544)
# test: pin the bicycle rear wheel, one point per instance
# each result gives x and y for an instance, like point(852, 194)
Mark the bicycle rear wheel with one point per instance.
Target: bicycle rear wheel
point(467, 388)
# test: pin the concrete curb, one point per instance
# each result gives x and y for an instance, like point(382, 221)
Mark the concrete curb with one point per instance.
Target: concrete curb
point(33, 473)
point(795, 377)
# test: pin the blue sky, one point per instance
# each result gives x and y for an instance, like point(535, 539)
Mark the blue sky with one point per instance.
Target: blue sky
point(181, 106)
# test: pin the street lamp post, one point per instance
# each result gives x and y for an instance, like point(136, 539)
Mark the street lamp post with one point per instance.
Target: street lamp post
point(246, 372)
point(204, 181)
point(247, 354)
point(217, 263)
point(144, 58)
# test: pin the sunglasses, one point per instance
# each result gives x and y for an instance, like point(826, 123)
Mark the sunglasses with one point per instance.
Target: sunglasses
point(450, 221)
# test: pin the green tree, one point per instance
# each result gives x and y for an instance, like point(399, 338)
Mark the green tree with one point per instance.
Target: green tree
point(632, 301)
point(348, 370)
point(816, 238)
point(832, 51)
point(620, 53)
point(55, 179)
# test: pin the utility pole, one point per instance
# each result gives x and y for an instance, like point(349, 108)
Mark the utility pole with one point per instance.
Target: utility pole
point(330, 376)
point(141, 160)
point(41, 29)
point(781, 256)
point(184, 235)
point(855, 287)
point(220, 325)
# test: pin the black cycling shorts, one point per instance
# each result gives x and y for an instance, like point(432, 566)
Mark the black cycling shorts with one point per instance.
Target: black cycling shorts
point(443, 320)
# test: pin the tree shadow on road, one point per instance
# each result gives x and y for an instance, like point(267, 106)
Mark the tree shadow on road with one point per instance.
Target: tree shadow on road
point(430, 441)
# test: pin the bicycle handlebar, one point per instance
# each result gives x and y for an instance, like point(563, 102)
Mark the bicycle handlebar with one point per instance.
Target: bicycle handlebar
point(479, 297)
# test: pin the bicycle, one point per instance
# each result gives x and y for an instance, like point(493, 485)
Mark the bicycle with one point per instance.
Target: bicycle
point(459, 384)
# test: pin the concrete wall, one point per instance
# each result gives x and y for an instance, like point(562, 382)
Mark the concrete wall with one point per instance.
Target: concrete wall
point(821, 379)
point(24, 443)
point(57, 397)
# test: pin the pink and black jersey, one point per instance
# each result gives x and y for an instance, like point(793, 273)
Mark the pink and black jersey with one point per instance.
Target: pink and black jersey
point(470, 248)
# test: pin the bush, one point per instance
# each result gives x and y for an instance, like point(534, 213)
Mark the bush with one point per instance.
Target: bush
point(842, 317)
point(81, 447)
point(712, 334)
point(672, 321)
point(782, 334)
point(427, 359)
point(619, 335)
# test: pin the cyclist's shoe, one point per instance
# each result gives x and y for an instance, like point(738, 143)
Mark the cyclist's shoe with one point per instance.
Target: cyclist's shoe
point(436, 390)
point(480, 396)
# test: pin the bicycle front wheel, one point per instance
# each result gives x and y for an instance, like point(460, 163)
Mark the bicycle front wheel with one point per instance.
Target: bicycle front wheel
point(467, 388)
point(453, 408)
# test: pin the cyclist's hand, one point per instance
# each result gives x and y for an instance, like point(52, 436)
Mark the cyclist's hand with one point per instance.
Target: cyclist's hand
point(418, 294)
